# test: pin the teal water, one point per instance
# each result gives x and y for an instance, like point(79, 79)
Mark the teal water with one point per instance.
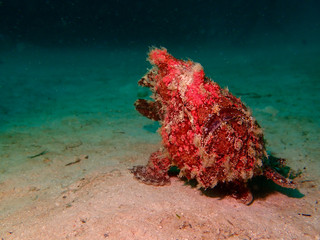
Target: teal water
point(42, 87)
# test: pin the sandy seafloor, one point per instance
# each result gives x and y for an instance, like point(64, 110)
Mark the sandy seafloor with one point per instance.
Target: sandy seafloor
point(72, 105)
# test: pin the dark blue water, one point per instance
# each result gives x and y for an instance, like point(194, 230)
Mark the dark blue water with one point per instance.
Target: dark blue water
point(135, 23)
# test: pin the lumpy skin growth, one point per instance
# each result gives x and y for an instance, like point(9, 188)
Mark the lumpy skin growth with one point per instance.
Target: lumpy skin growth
point(207, 133)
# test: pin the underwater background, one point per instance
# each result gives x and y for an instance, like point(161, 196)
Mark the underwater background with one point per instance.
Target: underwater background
point(68, 81)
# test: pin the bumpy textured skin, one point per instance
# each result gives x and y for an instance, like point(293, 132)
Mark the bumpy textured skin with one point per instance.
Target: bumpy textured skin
point(208, 133)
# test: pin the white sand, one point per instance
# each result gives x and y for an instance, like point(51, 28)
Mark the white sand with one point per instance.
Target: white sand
point(77, 105)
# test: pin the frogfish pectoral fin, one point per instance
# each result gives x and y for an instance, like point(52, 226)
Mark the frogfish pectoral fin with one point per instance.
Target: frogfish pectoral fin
point(149, 109)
